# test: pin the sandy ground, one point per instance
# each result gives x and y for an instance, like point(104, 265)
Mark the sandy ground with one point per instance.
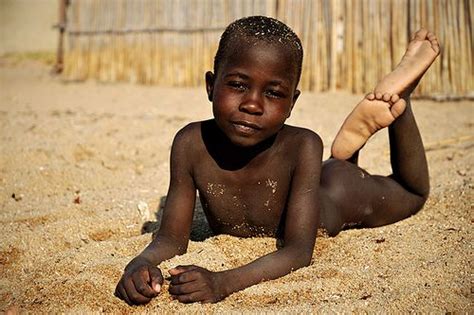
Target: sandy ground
point(78, 158)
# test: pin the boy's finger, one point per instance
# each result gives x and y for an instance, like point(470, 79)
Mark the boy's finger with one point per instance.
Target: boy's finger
point(133, 296)
point(156, 279)
point(143, 287)
point(179, 269)
point(185, 288)
point(184, 277)
point(122, 294)
point(189, 298)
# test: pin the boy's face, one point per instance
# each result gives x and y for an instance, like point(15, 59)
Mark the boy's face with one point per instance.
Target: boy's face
point(253, 92)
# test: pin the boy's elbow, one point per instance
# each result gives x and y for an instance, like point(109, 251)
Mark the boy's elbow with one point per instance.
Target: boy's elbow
point(306, 259)
point(299, 252)
point(422, 196)
point(426, 192)
point(422, 189)
point(303, 258)
point(421, 202)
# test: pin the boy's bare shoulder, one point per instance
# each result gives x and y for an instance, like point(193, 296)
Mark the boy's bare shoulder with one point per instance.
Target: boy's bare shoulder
point(299, 137)
point(189, 133)
point(188, 139)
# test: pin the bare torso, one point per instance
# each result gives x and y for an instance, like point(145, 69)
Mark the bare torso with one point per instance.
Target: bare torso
point(244, 196)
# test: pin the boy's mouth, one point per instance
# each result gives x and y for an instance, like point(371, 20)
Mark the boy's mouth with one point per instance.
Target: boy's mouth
point(245, 126)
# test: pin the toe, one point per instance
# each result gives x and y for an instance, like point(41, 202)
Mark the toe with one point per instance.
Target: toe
point(431, 37)
point(394, 98)
point(378, 95)
point(398, 108)
point(386, 97)
point(420, 34)
point(370, 96)
point(435, 46)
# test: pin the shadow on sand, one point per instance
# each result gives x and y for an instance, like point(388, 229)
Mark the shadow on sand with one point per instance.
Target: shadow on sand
point(200, 229)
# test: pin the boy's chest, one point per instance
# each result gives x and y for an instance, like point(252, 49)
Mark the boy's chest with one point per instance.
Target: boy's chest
point(243, 202)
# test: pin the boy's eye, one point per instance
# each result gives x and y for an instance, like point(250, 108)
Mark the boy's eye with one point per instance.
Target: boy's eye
point(274, 94)
point(237, 85)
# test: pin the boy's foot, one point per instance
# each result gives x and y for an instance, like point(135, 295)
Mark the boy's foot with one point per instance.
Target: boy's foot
point(421, 52)
point(374, 112)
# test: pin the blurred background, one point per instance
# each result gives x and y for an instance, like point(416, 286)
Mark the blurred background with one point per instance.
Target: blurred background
point(349, 45)
point(27, 26)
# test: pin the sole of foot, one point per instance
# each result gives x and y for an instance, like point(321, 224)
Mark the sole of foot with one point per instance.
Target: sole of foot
point(374, 112)
point(421, 52)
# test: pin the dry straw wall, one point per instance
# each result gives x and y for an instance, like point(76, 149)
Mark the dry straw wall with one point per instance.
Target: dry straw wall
point(348, 44)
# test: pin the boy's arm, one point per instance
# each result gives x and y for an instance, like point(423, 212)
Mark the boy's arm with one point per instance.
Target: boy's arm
point(141, 280)
point(192, 283)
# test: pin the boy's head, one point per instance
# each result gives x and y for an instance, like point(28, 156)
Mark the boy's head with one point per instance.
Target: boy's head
point(259, 29)
point(254, 85)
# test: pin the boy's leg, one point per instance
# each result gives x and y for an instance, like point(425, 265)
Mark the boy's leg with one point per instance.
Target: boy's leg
point(366, 119)
point(350, 195)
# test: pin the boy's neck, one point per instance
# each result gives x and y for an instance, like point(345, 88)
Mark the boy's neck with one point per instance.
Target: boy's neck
point(226, 154)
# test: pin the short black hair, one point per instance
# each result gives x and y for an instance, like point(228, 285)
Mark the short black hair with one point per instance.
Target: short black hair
point(260, 28)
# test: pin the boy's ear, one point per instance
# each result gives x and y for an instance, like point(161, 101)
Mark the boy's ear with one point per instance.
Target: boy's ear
point(210, 78)
point(295, 98)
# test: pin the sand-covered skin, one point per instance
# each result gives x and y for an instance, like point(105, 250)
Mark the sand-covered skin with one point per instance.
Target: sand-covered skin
point(77, 159)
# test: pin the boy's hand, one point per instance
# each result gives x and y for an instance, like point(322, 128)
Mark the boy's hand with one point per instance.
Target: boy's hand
point(140, 282)
point(195, 284)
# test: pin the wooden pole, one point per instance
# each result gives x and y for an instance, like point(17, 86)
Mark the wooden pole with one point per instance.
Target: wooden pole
point(59, 66)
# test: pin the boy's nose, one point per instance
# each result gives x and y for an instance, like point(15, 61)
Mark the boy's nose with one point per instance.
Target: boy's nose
point(252, 104)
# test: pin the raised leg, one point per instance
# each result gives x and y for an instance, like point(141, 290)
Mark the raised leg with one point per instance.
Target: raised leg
point(369, 117)
point(351, 196)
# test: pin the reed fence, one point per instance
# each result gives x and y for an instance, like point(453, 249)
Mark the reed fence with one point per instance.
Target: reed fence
point(348, 44)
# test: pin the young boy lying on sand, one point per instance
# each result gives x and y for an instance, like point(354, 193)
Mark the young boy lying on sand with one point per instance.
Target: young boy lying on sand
point(257, 176)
